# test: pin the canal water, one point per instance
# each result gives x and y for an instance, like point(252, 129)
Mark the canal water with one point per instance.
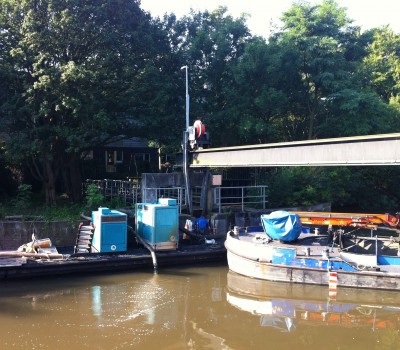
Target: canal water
point(193, 307)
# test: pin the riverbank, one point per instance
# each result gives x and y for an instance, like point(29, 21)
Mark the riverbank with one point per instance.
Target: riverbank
point(15, 233)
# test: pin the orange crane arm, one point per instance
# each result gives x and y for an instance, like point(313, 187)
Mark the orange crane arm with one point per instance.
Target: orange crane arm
point(348, 219)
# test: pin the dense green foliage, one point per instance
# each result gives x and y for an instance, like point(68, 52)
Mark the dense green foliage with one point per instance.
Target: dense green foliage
point(94, 199)
point(73, 70)
point(74, 74)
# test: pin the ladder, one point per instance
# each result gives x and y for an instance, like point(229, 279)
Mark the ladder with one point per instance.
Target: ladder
point(84, 239)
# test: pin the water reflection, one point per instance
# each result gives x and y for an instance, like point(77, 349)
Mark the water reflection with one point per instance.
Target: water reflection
point(146, 298)
point(283, 306)
point(194, 307)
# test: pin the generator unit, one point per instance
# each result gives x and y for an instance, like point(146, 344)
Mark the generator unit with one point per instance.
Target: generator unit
point(111, 231)
point(158, 224)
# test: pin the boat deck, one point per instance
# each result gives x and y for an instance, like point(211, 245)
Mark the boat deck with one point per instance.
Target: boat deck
point(12, 267)
point(306, 244)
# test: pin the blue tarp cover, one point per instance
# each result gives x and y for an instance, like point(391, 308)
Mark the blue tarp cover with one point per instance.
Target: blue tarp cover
point(282, 225)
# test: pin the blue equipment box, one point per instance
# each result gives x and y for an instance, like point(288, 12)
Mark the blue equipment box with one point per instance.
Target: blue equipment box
point(111, 231)
point(158, 224)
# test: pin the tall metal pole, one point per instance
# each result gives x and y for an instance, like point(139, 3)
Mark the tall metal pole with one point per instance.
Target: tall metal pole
point(185, 147)
point(187, 97)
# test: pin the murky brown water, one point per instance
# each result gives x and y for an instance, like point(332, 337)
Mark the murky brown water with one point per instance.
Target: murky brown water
point(192, 308)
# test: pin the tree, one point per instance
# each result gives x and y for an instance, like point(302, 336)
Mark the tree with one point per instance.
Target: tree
point(73, 71)
point(381, 67)
point(209, 43)
point(368, 103)
point(319, 34)
point(262, 101)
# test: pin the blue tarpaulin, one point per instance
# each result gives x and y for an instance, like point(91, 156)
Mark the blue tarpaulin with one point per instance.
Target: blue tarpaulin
point(282, 225)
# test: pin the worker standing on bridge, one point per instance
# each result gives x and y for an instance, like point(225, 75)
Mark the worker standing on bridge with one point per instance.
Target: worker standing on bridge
point(199, 128)
point(200, 133)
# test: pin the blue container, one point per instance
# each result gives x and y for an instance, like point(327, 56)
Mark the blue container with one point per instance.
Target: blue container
point(111, 230)
point(158, 224)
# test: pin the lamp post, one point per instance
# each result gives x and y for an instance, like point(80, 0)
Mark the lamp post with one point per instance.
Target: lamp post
point(185, 68)
point(185, 146)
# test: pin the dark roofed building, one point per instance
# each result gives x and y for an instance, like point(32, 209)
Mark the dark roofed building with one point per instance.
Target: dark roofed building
point(121, 159)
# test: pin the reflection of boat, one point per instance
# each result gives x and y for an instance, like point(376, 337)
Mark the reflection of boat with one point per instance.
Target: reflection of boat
point(333, 259)
point(283, 306)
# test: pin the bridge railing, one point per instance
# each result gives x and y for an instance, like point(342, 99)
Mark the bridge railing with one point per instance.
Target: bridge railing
point(241, 196)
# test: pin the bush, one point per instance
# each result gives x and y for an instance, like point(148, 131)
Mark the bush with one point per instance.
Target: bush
point(94, 198)
point(23, 199)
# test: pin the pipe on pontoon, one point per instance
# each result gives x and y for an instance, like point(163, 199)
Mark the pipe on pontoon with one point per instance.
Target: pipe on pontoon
point(201, 236)
point(151, 250)
point(16, 254)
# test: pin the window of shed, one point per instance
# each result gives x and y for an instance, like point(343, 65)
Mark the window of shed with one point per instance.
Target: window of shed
point(119, 156)
point(144, 157)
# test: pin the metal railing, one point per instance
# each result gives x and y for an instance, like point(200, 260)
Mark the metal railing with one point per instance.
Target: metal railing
point(243, 196)
point(130, 193)
point(196, 196)
point(153, 194)
point(126, 191)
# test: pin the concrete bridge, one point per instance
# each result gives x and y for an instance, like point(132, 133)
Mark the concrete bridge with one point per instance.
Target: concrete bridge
point(381, 149)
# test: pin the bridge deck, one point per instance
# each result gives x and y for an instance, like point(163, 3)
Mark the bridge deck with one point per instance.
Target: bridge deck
point(381, 149)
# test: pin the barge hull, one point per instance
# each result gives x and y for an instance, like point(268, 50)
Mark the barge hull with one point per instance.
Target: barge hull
point(294, 274)
point(97, 263)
